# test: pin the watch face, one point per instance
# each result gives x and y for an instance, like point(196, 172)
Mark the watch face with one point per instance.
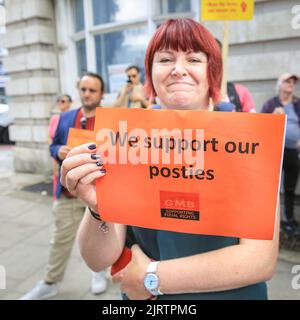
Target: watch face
point(151, 281)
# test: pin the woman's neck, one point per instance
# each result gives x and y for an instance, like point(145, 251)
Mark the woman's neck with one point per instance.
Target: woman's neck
point(285, 98)
point(202, 107)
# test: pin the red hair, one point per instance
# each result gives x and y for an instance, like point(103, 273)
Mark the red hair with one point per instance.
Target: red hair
point(186, 34)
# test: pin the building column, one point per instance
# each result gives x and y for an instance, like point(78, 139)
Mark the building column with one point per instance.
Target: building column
point(32, 67)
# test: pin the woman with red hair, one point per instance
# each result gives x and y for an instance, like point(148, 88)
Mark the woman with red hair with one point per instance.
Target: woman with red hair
point(183, 71)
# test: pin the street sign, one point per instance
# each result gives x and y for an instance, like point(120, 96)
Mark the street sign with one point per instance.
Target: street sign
point(227, 9)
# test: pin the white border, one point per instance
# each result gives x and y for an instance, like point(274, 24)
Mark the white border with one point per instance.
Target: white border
point(279, 182)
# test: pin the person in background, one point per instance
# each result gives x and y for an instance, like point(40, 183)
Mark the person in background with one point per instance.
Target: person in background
point(132, 94)
point(67, 209)
point(238, 95)
point(64, 103)
point(285, 102)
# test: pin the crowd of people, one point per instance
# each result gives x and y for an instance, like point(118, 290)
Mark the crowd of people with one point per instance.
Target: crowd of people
point(183, 70)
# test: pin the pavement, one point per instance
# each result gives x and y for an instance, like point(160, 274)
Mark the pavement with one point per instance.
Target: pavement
point(26, 224)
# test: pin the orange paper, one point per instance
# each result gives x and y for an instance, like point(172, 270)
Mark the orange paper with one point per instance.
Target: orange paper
point(236, 194)
point(76, 137)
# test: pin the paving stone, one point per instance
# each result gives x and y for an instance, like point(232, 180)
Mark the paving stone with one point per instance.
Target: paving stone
point(41, 238)
point(280, 287)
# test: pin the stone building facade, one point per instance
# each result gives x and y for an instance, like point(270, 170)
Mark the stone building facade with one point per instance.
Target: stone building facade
point(34, 81)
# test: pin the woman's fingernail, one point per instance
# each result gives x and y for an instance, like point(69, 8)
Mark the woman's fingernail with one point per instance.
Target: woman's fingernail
point(95, 156)
point(102, 170)
point(99, 163)
point(92, 146)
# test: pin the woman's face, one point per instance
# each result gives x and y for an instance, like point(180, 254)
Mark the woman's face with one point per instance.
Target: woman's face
point(180, 79)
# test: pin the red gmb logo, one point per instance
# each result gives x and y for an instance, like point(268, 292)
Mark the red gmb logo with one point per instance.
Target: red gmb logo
point(179, 200)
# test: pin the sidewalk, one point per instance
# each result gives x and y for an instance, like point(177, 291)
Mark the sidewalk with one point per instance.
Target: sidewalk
point(26, 225)
point(25, 231)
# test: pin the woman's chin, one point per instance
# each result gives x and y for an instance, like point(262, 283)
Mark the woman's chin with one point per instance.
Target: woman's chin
point(181, 105)
point(183, 102)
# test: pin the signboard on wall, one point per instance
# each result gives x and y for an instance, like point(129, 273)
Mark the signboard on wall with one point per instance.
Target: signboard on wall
point(227, 9)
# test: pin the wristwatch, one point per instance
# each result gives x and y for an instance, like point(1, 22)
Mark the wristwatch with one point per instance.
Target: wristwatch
point(151, 280)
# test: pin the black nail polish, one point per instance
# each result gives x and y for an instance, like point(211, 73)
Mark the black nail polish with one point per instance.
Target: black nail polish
point(95, 156)
point(92, 146)
point(99, 163)
point(102, 170)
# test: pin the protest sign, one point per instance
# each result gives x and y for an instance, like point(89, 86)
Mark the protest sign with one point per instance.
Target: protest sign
point(215, 173)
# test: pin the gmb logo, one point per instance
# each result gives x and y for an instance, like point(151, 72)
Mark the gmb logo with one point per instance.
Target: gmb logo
point(296, 18)
point(296, 278)
point(180, 203)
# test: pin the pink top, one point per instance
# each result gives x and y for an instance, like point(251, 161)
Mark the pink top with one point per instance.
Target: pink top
point(51, 130)
point(247, 102)
point(53, 125)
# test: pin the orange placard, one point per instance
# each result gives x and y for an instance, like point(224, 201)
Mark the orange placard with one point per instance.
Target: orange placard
point(76, 137)
point(234, 194)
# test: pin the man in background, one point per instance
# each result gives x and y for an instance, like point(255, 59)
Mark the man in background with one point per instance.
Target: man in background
point(132, 94)
point(68, 210)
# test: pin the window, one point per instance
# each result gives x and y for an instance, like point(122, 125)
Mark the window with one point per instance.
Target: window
point(3, 99)
point(174, 6)
point(106, 11)
point(1, 68)
point(78, 15)
point(126, 47)
point(113, 34)
point(81, 57)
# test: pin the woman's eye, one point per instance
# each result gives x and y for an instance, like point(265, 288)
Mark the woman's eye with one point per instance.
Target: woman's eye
point(164, 60)
point(195, 60)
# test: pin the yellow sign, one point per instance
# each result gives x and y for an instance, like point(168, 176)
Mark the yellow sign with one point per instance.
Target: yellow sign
point(227, 9)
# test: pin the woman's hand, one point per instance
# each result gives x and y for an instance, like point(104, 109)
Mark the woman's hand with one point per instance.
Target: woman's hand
point(80, 170)
point(131, 278)
point(63, 152)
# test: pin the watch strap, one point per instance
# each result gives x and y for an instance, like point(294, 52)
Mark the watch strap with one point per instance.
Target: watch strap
point(152, 267)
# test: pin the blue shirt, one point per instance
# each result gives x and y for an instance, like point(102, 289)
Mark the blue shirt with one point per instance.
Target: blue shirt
point(292, 127)
point(66, 121)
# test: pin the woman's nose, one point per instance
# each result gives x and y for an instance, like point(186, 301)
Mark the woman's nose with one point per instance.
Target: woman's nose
point(179, 69)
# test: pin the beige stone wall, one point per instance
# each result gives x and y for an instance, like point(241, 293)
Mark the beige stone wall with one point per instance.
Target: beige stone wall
point(32, 65)
point(263, 48)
